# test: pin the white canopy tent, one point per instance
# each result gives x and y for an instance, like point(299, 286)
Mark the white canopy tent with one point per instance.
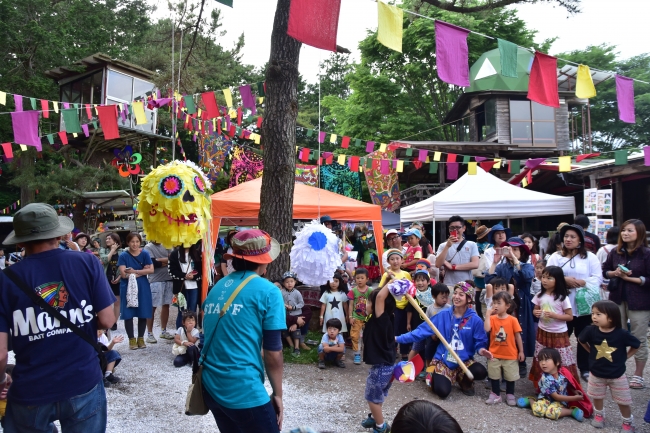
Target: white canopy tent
point(486, 196)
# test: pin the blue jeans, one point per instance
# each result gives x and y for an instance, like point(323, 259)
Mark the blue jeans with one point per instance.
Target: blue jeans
point(260, 419)
point(80, 414)
point(192, 299)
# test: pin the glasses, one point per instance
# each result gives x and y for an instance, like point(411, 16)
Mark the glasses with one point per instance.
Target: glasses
point(392, 238)
point(455, 227)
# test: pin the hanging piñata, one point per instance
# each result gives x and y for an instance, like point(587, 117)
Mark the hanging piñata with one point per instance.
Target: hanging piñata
point(174, 204)
point(315, 254)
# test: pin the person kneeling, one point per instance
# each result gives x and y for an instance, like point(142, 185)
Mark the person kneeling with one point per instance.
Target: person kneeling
point(332, 346)
point(186, 340)
point(113, 357)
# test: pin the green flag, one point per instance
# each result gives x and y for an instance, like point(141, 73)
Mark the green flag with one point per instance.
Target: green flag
point(50, 138)
point(433, 168)
point(515, 166)
point(71, 120)
point(620, 157)
point(33, 102)
point(409, 151)
point(225, 2)
point(260, 89)
point(357, 142)
point(508, 54)
point(465, 159)
point(189, 103)
point(310, 132)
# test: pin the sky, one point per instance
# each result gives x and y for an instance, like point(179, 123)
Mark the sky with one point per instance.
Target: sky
point(622, 23)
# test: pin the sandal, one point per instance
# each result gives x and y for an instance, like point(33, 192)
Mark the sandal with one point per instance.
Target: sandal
point(636, 382)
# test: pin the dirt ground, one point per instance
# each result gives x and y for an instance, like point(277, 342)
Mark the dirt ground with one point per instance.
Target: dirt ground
point(151, 398)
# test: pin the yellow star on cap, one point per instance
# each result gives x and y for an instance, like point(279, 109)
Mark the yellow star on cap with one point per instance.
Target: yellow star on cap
point(604, 351)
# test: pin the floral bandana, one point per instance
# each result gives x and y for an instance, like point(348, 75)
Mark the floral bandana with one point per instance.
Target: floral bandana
point(467, 289)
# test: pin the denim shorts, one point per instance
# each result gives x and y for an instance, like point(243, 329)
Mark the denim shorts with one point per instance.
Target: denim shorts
point(378, 383)
point(330, 356)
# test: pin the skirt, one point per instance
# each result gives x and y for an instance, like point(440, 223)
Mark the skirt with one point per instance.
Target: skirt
point(454, 375)
point(562, 344)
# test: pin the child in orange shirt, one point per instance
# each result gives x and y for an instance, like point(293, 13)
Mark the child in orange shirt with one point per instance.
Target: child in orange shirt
point(506, 346)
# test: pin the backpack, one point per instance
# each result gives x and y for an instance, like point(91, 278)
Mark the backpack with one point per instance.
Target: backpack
point(590, 245)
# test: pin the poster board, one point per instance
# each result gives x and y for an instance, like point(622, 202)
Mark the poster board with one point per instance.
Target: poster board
point(602, 225)
point(592, 224)
point(590, 200)
point(604, 202)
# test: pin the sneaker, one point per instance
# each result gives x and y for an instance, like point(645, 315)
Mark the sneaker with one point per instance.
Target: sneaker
point(384, 429)
point(511, 400)
point(151, 339)
point(141, 344)
point(627, 427)
point(107, 384)
point(523, 402)
point(340, 364)
point(296, 352)
point(598, 421)
point(321, 365)
point(112, 378)
point(357, 358)
point(133, 345)
point(368, 422)
point(166, 335)
point(578, 414)
point(493, 399)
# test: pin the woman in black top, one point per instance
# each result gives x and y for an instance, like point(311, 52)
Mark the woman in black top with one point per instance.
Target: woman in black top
point(185, 266)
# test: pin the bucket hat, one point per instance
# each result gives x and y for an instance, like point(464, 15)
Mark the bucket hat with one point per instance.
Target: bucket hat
point(36, 222)
point(482, 231)
point(498, 228)
point(515, 242)
point(255, 246)
point(576, 228)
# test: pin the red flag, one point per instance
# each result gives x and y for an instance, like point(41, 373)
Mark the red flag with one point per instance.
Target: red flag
point(451, 157)
point(219, 126)
point(233, 131)
point(108, 121)
point(542, 85)
point(487, 165)
point(6, 148)
point(345, 143)
point(588, 155)
point(329, 159)
point(64, 137)
point(354, 163)
point(239, 116)
point(304, 154)
point(89, 112)
point(417, 164)
point(320, 161)
point(529, 177)
point(45, 108)
point(259, 121)
point(315, 22)
point(210, 103)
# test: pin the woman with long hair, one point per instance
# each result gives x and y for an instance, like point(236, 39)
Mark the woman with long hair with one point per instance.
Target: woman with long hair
point(531, 243)
point(630, 264)
point(109, 257)
point(185, 268)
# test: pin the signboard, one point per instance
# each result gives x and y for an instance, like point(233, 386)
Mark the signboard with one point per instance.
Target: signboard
point(602, 225)
point(590, 200)
point(604, 202)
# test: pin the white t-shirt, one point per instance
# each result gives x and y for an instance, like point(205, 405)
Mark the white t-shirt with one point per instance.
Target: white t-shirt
point(549, 303)
point(464, 256)
point(588, 269)
point(180, 331)
point(604, 251)
point(334, 302)
point(103, 339)
point(187, 267)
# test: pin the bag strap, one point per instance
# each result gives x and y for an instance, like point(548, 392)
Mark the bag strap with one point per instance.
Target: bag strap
point(50, 309)
point(458, 248)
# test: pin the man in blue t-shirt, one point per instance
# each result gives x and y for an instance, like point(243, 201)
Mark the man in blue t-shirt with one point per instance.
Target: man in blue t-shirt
point(57, 374)
point(233, 370)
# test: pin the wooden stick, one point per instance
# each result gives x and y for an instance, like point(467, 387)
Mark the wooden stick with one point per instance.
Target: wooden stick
point(440, 337)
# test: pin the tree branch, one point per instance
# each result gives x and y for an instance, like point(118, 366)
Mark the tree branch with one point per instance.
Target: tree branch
point(570, 5)
point(196, 31)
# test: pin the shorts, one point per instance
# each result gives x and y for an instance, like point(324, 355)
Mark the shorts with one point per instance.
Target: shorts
point(162, 293)
point(620, 389)
point(418, 346)
point(115, 288)
point(293, 334)
point(380, 378)
point(543, 408)
point(510, 369)
point(330, 356)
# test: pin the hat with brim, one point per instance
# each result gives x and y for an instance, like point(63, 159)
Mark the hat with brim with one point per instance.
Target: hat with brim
point(82, 235)
point(515, 242)
point(394, 252)
point(498, 228)
point(391, 232)
point(482, 232)
point(414, 232)
point(576, 228)
point(37, 222)
point(255, 246)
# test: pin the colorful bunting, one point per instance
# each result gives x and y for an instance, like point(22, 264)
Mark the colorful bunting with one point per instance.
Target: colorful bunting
point(84, 128)
point(422, 155)
point(565, 164)
point(389, 29)
point(452, 170)
point(314, 22)
point(620, 157)
point(585, 156)
point(451, 157)
point(585, 88)
point(533, 163)
point(304, 154)
point(471, 168)
point(370, 146)
point(433, 168)
point(625, 99)
point(436, 156)
point(345, 143)
point(138, 111)
point(247, 98)
point(321, 137)
point(25, 126)
point(646, 156)
point(70, 120)
point(542, 85)
point(333, 138)
point(6, 149)
point(228, 95)
point(400, 166)
point(452, 54)
point(341, 159)
point(18, 101)
point(508, 54)
point(514, 167)
point(63, 137)
point(210, 104)
point(354, 163)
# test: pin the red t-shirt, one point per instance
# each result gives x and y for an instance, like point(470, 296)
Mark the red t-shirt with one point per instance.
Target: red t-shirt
point(412, 253)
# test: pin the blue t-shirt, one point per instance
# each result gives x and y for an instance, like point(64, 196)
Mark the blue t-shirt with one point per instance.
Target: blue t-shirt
point(52, 363)
point(233, 371)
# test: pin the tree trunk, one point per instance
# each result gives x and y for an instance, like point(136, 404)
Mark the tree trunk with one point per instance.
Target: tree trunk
point(279, 138)
point(27, 195)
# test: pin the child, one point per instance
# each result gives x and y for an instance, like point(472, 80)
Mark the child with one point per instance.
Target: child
point(536, 285)
point(332, 345)
point(394, 257)
point(553, 394)
point(422, 416)
point(413, 250)
point(553, 308)
point(186, 341)
point(498, 285)
point(357, 312)
point(424, 298)
point(113, 357)
point(293, 303)
point(606, 341)
point(334, 305)
point(505, 345)
point(379, 352)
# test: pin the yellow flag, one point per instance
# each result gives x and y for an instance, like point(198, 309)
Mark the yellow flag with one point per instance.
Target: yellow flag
point(471, 168)
point(333, 138)
point(258, 137)
point(74, 134)
point(382, 147)
point(56, 106)
point(138, 111)
point(341, 160)
point(400, 166)
point(199, 113)
point(228, 95)
point(389, 28)
point(3, 98)
point(584, 84)
point(96, 111)
point(426, 161)
point(232, 113)
point(436, 156)
point(524, 182)
point(23, 147)
point(260, 100)
point(497, 163)
point(565, 163)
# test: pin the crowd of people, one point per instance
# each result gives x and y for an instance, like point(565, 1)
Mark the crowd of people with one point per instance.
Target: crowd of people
point(497, 298)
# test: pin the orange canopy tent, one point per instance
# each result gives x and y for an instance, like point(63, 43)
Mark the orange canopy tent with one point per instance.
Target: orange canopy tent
point(241, 205)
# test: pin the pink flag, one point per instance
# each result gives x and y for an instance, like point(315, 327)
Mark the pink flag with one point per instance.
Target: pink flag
point(452, 54)
point(625, 99)
point(542, 85)
point(247, 98)
point(533, 163)
point(646, 155)
point(370, 146)
point(18, 100)
point(25, 124)
point(422, 155)
point(480, 158)
point(321, 137)
point(84, 128)
point(385, 167)
point(315, 22)
point(452, 170)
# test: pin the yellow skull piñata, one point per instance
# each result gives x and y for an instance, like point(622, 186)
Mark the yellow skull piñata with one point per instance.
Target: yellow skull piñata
point(174, 204)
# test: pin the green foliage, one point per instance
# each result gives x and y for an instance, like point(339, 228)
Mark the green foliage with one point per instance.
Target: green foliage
point(609, 133)
point(305, 357)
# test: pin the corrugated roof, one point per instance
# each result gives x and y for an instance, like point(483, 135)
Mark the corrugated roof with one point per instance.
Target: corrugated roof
point(97, 59)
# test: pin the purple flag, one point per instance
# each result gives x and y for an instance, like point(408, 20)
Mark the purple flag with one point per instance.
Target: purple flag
point(228, 123)
point(321, 137)
point(84, 128)
point(452, 170)
point(247, 99)
point(160, 102)
point(625, 98)
point(327, 154)
point(25, 124)
point(452, 54)
point(123, 115)
point(394, 164)
point(384, 168)
point(18, 100)
point(422, 155)
point(646, 155)
point(533, 163)
point(479, 158)
point(370, 146)
point(66, 105)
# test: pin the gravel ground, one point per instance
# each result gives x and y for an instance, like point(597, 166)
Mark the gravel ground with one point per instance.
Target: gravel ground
point(151, 398)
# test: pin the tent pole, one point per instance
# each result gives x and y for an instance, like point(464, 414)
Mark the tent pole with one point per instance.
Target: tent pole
point(508, 222)
point(433, 241)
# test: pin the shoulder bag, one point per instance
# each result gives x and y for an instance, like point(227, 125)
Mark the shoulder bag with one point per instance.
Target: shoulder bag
point(443, 270)
point(194, 403)
point(58, 316)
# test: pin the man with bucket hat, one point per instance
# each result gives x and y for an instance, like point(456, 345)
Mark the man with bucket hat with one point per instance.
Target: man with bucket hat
point(57, 375)
point(244, 311)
